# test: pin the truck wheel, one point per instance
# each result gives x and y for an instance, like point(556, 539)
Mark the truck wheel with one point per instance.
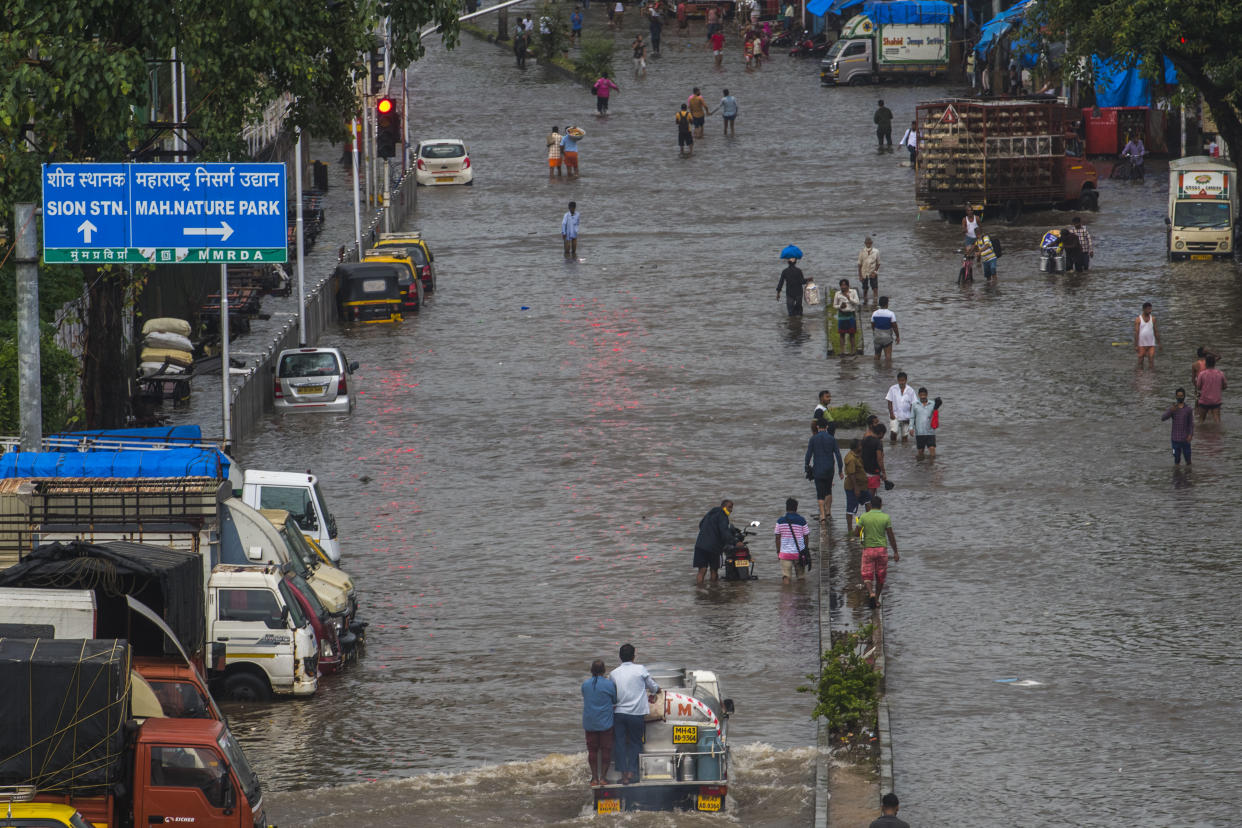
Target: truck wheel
point(245, 688)
point(1012, 210)
point(1089, 200)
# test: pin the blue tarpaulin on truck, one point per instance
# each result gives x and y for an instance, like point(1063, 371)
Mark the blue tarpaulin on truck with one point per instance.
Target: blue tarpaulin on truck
point(154, 435)
point(909, 12)
point(177, 462)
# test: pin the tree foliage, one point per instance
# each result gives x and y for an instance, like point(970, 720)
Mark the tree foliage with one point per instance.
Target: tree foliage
point(80, 80)
point(1199, 37)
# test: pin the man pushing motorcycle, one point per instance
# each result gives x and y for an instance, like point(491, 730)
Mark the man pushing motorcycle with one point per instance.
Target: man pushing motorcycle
point(715, 535)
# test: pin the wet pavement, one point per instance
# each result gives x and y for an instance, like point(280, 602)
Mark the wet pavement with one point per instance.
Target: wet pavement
point(519, 489)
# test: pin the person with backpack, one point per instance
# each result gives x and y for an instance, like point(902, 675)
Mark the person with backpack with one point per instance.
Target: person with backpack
point(685, 138)
point(791, 543)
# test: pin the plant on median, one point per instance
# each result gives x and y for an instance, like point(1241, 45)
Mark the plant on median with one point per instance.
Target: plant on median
point(850, 416)
point(848, 685)
point(594, 56)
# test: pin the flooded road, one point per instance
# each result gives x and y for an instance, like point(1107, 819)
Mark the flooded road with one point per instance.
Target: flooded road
point(519, 489)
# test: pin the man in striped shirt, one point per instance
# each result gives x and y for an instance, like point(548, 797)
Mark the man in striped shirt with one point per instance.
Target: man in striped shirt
point(791, 535)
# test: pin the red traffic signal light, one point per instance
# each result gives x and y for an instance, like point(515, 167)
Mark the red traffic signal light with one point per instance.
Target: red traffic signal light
point(385, 105)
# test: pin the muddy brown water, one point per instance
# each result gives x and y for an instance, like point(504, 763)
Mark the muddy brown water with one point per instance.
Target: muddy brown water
point(519, 487)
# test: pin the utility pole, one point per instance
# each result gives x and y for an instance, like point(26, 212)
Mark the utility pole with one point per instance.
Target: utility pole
point(297, 177)
point(29, 370)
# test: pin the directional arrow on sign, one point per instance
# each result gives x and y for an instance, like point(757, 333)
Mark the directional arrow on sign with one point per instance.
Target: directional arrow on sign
point(223, 231)
point(86, 228)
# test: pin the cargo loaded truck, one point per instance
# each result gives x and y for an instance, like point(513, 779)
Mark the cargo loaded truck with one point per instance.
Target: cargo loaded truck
point(1203, 209)
point(70, 735)
point(901, 39)
point(1000, 156)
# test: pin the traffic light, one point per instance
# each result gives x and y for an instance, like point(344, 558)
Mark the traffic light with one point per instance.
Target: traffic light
point(379, 72)
point(387, 127)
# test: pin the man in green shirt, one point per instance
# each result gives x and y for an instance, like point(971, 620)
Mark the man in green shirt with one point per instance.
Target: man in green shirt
point(877, 535)
point(884, 126)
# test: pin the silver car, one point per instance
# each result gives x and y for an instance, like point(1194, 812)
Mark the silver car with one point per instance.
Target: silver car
point(314, 379)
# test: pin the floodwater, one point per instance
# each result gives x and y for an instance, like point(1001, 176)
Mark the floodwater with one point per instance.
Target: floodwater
point(519, 488)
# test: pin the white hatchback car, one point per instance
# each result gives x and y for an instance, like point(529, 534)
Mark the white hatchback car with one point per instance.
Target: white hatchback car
point(314, 379)
point(443, 161)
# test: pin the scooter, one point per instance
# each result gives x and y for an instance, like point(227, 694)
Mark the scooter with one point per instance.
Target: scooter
point(808, 46)
point(739, 565)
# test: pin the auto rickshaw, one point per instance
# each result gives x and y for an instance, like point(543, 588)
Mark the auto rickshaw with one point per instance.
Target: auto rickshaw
point(368, 292)
point(411, 285)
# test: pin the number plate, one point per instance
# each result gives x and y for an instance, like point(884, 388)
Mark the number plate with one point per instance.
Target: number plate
point(311, 389)
point(608, 806)
point(685, 734)
point(708, 803)
point(1200, 257)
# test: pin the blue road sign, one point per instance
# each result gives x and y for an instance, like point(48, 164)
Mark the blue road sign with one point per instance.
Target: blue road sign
point(164, 213)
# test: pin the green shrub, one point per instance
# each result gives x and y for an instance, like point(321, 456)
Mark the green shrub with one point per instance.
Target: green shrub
point(848, 686)
point(594, 56)
point(59, 378)
point(850, 416)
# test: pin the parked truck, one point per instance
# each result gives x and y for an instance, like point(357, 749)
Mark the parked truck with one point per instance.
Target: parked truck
point(896, 40)
point(1000, 156)
point(1203, 209)
point(245, 626)
point(70, 734)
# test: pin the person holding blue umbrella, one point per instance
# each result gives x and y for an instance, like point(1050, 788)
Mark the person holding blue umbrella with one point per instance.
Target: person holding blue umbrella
point(792, 281)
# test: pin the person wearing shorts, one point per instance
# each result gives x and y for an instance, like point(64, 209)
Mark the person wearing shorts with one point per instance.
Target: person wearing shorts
point(822, 456)
point(714, 536)
point(883, 331)
point(924, 430)
point(877, 535)
point(555, 153)
point(791, 539)
point(685, 139)
point(855, 484)
point(728, 112)
point(900, 399)
point(698, 111)
point(845, 300)
point(872, 452)
point(717, 40)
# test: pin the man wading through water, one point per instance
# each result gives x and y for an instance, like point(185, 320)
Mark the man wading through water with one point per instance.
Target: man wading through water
point(714, 536)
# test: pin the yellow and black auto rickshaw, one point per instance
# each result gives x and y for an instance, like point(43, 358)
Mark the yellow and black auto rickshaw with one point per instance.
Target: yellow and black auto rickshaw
point(368, 292)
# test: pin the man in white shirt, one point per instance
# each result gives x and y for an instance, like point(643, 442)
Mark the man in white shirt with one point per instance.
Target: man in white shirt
point(845, 300)
point(869, 269)
point(900, 400)
point(911, 141)
point(629, 716)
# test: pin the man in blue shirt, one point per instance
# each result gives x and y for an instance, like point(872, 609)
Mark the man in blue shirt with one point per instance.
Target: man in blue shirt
point(821, 452)
point(728, 111)
point(569, 230)
point(599, 696)
point(630, 714)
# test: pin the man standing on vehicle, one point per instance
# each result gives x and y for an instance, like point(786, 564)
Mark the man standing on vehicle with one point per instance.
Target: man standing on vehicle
point(569, 231)
point(883, 126)
point(629, 716)
point(793, 282)
point(791, 540)
point(869, 269)
point(822, 452)
point(715, 534)
point(1082, 257)
point(877, 534)
point(599, 697)
point(845, 300)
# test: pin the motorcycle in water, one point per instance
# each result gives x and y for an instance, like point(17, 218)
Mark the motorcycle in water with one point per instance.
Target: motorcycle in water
point(810, 46)
point(738, 563)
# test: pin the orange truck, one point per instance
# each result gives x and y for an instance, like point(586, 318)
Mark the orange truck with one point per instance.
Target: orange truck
point(72, 736)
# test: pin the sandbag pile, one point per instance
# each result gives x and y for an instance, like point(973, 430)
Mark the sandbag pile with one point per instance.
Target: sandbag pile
point(166, 347)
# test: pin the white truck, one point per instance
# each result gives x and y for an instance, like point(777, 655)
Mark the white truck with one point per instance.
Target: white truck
point(901, 39)
point(1203, 209)
point(300, 496)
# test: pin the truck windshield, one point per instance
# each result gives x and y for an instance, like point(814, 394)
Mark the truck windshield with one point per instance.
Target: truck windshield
point(835, 51)
point(299, 550)
point(233, 752)
point(296, 617)
point(1204, 214)
point(325, 511)
point(181, 700)
point(316, 605)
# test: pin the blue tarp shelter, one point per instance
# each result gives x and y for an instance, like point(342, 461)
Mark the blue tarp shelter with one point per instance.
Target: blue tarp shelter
point(185, 462)
point(822, 7)
point(156, 435)
point(999, 26)
point(1120, 84)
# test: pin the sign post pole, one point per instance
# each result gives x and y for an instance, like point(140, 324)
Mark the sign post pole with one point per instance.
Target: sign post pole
point(357, 184)
point(29, 394)
point(297, 178)
point(226, 374)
